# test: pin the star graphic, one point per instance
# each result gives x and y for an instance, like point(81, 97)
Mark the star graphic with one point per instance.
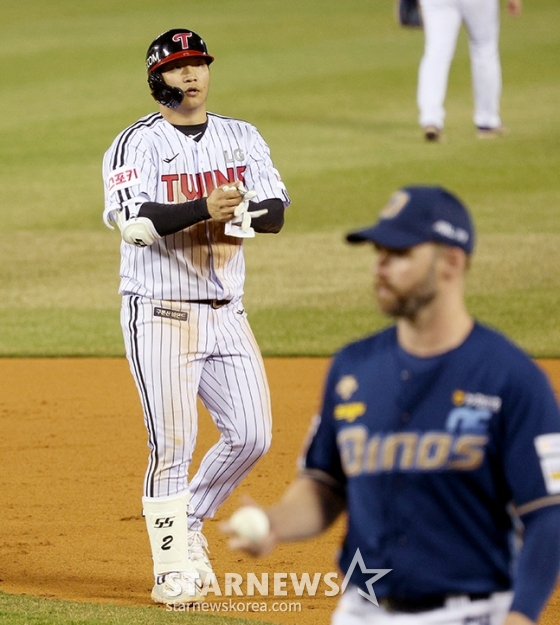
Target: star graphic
point(377, 574)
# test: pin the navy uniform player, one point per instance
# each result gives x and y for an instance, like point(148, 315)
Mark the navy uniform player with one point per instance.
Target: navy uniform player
point(439, 437)
point(186, 187)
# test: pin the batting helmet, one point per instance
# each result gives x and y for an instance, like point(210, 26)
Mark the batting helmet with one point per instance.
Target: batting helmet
point(170, 46)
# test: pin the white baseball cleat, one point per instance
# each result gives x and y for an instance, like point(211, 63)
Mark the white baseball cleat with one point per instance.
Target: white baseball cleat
point(198, 555)
point(178, 587)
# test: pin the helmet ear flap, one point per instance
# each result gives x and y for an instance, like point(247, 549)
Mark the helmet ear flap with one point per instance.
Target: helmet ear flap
point(162, 92)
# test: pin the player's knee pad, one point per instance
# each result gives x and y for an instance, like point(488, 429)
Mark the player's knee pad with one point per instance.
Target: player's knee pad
point(166, 520)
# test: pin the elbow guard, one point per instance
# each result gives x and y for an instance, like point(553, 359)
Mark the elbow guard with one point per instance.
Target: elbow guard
point(139, 231)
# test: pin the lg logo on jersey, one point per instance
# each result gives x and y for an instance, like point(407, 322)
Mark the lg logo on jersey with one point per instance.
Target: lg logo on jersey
point(236, 155)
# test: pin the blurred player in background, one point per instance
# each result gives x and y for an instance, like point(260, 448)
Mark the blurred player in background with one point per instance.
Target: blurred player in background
point(186, 187)
point(439, 437)
point(442, 21)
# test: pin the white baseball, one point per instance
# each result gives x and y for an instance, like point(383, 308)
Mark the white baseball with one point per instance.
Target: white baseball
point(250, 522)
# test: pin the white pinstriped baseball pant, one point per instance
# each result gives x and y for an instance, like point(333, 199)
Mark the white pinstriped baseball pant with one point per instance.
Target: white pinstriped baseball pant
point(442, 22)
point(186, 350)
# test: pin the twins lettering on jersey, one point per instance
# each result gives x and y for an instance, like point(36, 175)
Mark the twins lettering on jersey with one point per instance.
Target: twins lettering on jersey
point(190, 186)
point(460, 447)
point(185, 187)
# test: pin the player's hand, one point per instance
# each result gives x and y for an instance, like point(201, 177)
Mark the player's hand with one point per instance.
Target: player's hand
point(514, 7)
point(223, 201)
point(516, 618)
point(256, 546)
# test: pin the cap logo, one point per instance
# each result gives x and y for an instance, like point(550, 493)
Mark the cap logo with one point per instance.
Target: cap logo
point(183, 39)
point(397, 202)
point(445, 229)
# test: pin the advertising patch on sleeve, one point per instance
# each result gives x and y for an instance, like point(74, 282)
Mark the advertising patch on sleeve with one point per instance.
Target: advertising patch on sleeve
point(123, 177)
point(548, 450)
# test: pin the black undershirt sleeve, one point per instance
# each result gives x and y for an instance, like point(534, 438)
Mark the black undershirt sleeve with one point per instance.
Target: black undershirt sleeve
point(273, 220)
point(171, 218)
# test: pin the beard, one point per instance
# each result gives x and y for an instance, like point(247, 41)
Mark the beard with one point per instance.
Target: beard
point(407, 303)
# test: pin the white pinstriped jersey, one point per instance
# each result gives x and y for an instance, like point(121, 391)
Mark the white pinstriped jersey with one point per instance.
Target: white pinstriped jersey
point(153, 161)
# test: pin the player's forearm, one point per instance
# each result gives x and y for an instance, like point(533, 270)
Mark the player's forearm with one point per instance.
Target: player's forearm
point(171, 218)
point(306, 509)
point(539, 562)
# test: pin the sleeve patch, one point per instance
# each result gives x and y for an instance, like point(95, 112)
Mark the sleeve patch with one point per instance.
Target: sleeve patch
point(548, 450)
point(123, 177)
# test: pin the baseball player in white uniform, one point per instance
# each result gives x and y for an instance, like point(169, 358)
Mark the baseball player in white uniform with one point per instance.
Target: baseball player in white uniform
point(442, 21)
point(186, 187)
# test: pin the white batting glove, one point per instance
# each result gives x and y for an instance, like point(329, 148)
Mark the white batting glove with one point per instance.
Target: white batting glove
point(248, 215)
point(240, 225)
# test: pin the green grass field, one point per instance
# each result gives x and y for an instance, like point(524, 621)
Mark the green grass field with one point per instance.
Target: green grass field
point(23, 610)
point(331, 86)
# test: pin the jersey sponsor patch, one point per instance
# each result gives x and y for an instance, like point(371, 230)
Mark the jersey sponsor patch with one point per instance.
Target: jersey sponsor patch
point(170, 314)
point(476, 400)
point(123, 177)
point(346, 386)
point(349, 412)
point(548, 450)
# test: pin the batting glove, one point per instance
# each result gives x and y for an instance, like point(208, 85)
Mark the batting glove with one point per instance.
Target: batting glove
point(242, 215)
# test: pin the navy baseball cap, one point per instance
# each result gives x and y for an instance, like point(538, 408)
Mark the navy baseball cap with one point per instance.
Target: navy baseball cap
point(420, 214)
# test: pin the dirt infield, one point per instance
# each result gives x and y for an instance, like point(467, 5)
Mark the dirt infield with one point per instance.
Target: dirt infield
point(72, 457)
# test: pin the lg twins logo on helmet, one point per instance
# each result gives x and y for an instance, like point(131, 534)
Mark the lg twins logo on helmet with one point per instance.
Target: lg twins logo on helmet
point(157, 56)
point(183, 39)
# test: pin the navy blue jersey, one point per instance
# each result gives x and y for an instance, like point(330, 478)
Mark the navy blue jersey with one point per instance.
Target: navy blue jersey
point(433, 454)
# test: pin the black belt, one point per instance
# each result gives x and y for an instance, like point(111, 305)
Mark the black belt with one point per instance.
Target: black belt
point(215, 303)
point(424, 604)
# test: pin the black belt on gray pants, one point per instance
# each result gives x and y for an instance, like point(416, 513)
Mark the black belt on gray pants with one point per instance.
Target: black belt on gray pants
point(424, 604)
point(215, 303)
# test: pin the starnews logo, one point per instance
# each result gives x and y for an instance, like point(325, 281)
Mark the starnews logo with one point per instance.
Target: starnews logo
point(280, 585)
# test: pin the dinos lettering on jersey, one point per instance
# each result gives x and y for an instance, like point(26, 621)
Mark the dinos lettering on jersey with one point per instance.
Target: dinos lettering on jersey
point(181, 187)
point(408, 451)
point(460, 447)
